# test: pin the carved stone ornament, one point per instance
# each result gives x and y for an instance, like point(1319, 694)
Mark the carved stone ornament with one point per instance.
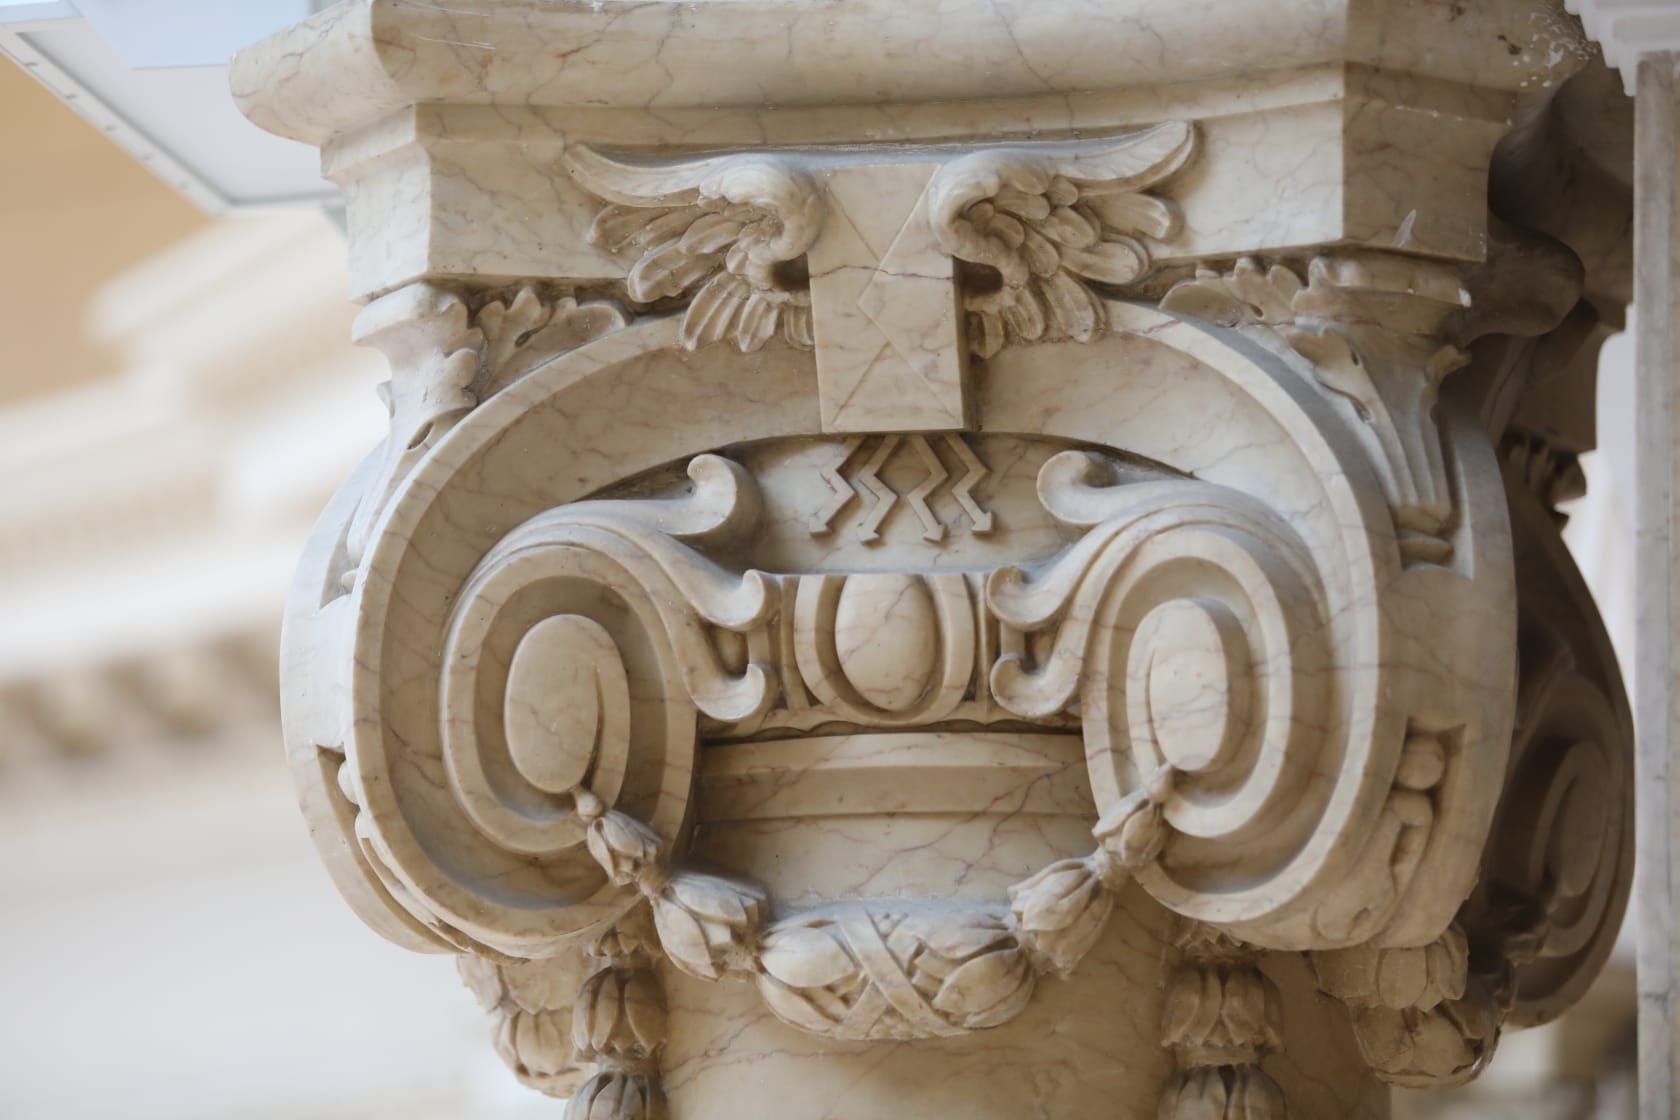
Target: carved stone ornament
point(938, 618)
point(862, 257)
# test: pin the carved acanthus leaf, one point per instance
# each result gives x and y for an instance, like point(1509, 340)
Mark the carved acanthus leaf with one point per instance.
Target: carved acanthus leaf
point(715, 230)
point(1378, 332)
point(526, 330)
point(1052, 224)
point(445, 362)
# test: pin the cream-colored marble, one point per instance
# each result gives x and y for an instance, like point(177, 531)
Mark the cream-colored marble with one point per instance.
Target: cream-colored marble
point(900, 584)
point(1658, 194)
point(884, 304)
point(440, 121)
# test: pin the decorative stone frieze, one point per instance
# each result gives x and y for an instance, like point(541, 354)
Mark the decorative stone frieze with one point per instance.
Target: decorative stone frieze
point(886, 582)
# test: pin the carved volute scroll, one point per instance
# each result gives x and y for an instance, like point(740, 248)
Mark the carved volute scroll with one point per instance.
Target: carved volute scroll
point(903, 596)
point(1558, 869)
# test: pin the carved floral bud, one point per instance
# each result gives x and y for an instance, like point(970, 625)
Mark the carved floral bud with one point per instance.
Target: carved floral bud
point(1242, 1092)
point(483, 979)
point(1060, 912)
point(1210, 944)
point(1135, 830)
point(624, 939)
point(533, 1004)
point(1429, 1049)
point(537, 1046)
point(1215, 1015)
point(619, 1015)
point(626, 849)
point(613, 1095)
point(706, 924)
point(1420, 977)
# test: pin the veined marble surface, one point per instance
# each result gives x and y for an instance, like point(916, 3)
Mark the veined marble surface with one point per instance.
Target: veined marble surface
point(893, 573)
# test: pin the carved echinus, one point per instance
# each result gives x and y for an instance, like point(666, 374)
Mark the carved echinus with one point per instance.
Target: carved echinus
point(868, 655)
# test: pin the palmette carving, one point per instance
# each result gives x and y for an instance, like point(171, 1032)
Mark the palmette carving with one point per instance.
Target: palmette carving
point(1052, 223)
point(715, 230)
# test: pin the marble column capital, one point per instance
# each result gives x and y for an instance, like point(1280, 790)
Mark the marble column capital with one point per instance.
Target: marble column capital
point(894, 514)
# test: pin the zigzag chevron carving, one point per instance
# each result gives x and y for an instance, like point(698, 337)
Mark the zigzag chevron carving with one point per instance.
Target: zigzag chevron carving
point(878, 498)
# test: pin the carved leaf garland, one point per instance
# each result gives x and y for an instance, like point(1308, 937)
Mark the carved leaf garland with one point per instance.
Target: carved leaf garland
point(861, 975)
point(1062, 910)
point(706, 923)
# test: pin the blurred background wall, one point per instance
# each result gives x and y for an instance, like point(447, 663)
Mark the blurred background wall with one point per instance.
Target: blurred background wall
point(177, 397)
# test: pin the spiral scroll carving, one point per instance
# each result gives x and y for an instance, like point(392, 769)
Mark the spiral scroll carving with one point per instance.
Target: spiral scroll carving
point(1556, 876)
point(1190, 623)
point(576, 658)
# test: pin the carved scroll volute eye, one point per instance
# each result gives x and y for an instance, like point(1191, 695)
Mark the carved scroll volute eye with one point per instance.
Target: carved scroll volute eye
point(538, 707)
point(567, 705)
point(1188, 681)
